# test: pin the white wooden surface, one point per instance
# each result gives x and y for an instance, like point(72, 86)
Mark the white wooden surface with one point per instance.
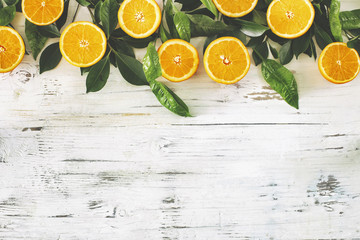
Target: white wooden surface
point(116, 165)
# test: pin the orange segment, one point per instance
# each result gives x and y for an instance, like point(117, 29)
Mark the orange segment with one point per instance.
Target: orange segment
point(83, 44)
point(226, 60)
point(179, 60)
point(338, 63)
point(12, 49)
point(139, 18)
point(235, 8)
point(42, 12)
point(290, 18)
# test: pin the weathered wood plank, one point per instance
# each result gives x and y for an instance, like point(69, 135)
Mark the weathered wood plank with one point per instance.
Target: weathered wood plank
point(116, 165)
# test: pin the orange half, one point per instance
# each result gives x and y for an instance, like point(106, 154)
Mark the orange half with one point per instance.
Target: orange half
point(179, 60)
point(226, 60)
point(290, 18)
point(338, 63)
point(139, 18)
point(235, 8)
point(12, 49)
point(83, 44)
point(42, 12)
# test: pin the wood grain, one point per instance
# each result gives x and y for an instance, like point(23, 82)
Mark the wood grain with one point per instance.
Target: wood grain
point(117, 165)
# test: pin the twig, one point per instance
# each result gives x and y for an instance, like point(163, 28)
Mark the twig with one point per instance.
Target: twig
point(76, 12)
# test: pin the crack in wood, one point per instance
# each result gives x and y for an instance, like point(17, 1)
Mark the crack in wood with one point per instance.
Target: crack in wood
point(247, 124)
point(33, 129)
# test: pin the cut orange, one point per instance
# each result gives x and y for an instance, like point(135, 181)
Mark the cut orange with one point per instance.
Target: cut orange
point(290, 18)
point(226, 60)
point(179, 60)
point(139, 18)
point(42, 12)
point(236, 8)
point(83, 44)
point(338, 63)
point(12, 49)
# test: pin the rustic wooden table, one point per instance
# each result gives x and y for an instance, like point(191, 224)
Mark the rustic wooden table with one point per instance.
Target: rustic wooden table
point(117, 165)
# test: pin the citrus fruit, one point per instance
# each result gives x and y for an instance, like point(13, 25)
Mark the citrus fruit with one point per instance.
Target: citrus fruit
point(338, 63)
point(290, 18)
point(139, 18)
point(12, 49)
point(83, 44)
point(179, 60)
point(236, 8)
point(226, 60)
point(42, 12)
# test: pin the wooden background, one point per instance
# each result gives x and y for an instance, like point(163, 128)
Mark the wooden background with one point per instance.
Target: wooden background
point(117, 165)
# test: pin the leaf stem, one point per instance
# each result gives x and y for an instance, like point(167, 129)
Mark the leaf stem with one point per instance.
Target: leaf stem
point(92, 15)
point(76, 12)
point(257, 52)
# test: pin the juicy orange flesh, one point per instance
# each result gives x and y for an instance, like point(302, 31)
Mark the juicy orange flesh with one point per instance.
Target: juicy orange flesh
point(226, 60)
point(139, 16)
point(10, 49)
point(235, 6)
point(340, 63)
point(290, 16)
point(177, 60)
point(42, 11)
point(83, 44)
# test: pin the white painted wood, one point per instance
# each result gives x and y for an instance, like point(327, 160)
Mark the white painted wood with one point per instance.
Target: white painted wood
point(116, 165)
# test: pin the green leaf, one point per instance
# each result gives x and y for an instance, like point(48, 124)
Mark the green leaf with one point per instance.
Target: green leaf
point(131, 69)
point(134, 42)
point(84, 3)
point(276, 38)
point(210, 5)
point(84, 70)
point(108, 16)
point(151, 64)
point(286, 54)
point(301, 44)
point(350, 19)
point(98, 75)
point(259, 17)
point(7, 14)
point(282, 81)
point(50, 31)
point(11, 2)
point(208, 41)
point(355, 43)
point(182, 25)
point(62, 20)
point(322, 38)
point(122, 47)
point(202, 25)
point(334, 18)
point(262, 4)
point(236, 33)
point(189, 5)
point(169, 99)
point(255, 41)
point(274, 52)
point(97, 11)
point(260, 53)
point(250, 29)
point(50, 58)
point(164, 34)
point(170, 11)
point(311, 51)
point(35, 39)
point(202, 11)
